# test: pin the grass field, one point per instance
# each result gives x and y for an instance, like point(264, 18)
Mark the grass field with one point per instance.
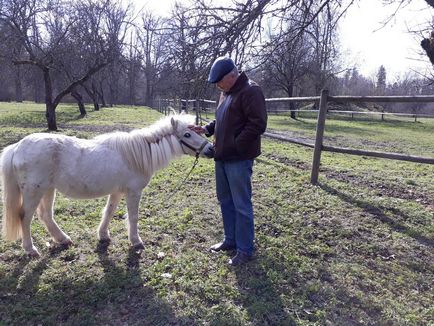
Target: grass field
point(358, 249)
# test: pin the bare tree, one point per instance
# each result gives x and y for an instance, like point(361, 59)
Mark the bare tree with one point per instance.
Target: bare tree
point(188, 54)
point(154, 45)
point(235, 28)
point(323, 39)
point(94, 89)
point(286, 65)
point(79, 98)
point(46, 30)
point(306, 26)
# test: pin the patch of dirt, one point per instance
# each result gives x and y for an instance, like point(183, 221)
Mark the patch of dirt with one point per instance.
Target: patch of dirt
point(297, 136)
point(288, 162)
point(363, 144)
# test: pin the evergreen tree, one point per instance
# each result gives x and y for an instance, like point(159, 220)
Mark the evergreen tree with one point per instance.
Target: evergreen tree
point(381, 80)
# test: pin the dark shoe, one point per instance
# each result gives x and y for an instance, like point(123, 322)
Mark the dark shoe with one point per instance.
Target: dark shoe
point(222, 246)
point(240, 259)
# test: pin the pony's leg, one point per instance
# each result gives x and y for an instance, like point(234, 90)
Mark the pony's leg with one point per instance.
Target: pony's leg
point(133, 200)
point(31, 200)
point(108, 212)
point(45, 213)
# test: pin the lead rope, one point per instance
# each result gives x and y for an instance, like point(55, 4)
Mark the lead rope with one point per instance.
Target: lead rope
point(192, 168)
point(178, 186)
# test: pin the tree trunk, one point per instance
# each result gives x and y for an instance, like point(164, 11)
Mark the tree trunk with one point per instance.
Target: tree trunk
point(37, 85)
point(132, 84)
point(292, 108)
point(75, 94)
point(99, 90)
point(290, 92)
point(92, 94)
point(95, 104)
point(50, 112)
point(149, 91)
point(95, 97)
point(111, 95)
point(18, 85)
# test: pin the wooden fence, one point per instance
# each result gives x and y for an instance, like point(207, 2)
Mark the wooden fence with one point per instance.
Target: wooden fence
point(324, 99)
point(199, 106)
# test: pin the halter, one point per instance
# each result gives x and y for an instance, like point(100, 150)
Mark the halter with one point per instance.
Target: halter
point(197, 151)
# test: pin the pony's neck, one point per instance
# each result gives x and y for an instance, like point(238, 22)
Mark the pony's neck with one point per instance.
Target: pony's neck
point(163, 151)
point(145, 150)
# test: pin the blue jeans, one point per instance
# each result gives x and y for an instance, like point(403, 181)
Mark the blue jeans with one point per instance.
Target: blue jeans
point(234, 193)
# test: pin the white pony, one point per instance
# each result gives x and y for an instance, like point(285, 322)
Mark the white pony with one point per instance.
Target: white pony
point(114, 164)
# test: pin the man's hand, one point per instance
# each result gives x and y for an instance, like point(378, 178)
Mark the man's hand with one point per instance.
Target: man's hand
point(197, 129)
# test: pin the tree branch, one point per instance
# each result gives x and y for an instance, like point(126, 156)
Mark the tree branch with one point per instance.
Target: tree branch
point(71, 86)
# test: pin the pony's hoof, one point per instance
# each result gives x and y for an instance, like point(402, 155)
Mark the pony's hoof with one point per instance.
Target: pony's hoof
point(104, 241)
point(33, 253)
point(138, 248)
point(104, 237)
point(66, 243)
point(102, 246)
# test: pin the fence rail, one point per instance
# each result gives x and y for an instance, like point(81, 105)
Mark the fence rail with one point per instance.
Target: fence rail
point(384, 99)
point(343, 99)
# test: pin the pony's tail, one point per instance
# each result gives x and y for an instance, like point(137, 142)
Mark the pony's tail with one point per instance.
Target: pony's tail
point(12, 197)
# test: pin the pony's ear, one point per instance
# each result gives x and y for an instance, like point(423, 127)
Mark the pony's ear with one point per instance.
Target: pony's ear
point(174, 123)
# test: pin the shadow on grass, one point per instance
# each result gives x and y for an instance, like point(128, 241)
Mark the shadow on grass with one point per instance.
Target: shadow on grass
point(379, 213)
point(19, 288)
point(296, 296)
point(113, 295)
point(28, 282)
point(311, 297)
point(259, 295)
point(135, 303)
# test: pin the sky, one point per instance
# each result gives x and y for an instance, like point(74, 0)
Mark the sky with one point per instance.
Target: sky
point(365, 42)
point(368, 44)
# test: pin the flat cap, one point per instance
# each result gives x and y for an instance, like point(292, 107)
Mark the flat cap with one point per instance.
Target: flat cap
point(221, 67)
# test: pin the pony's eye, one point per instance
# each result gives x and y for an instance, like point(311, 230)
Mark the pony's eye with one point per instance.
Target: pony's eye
point(187, 135)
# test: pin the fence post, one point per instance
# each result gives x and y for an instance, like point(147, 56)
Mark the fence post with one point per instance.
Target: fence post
point(322, 113)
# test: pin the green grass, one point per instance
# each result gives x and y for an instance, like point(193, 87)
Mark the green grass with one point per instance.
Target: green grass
point(391, 135)
point(355, 250)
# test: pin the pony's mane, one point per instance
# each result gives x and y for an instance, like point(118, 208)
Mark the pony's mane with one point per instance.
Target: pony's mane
point(149, 149)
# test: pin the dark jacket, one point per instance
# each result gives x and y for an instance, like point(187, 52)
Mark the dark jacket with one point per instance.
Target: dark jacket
point(241, 118)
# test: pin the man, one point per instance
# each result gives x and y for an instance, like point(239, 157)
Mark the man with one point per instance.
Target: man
point(241, 118)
